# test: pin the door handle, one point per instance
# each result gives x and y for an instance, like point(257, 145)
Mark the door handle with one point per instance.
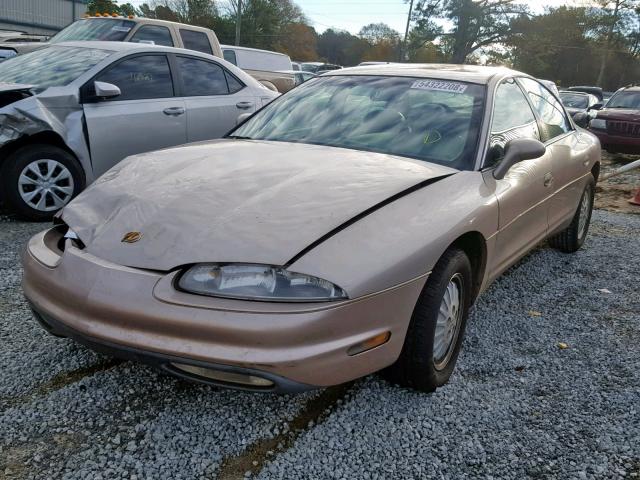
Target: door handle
point(244, 105)
point(173, 111)
point(548, 180)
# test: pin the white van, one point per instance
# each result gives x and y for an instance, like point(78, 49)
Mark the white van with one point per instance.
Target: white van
point(263, 65)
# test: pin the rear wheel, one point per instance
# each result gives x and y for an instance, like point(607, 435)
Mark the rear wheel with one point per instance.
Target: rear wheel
point(38, 180)
point(437, 326)
point(571, 239)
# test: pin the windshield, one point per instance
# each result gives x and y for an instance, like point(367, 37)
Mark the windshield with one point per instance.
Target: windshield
point(95, 29)
point(50, 67)
point(572, 100)
point(625, 99)
point(433, 120)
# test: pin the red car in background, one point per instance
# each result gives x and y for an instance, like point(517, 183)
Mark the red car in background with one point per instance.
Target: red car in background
point(617, 125)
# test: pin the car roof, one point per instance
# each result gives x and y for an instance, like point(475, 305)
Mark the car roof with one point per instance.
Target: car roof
point(631, 88)
point(463, 73)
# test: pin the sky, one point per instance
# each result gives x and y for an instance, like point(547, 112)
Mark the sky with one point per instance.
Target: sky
point(352, 15)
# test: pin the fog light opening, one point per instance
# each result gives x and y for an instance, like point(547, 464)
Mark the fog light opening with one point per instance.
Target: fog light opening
point(223, 376)
point(369, 344)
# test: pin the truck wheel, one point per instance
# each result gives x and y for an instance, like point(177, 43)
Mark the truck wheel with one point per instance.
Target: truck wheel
point(38, 180)
point(437, 326)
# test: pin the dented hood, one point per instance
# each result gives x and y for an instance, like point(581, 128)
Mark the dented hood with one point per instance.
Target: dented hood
point(233, 201)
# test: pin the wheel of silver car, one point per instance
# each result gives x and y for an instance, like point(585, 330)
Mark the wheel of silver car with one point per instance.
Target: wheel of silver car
point(436, 330)
point(571, 238)
point(448, 322)
point(46, 185)
point(38, 180)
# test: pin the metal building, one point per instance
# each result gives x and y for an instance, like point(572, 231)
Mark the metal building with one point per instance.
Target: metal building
point(40, 17)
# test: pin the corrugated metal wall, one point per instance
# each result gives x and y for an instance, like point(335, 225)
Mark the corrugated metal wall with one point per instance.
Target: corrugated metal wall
point(39, 16)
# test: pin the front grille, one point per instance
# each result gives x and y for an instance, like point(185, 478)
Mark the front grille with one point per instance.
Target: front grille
point(624, 129)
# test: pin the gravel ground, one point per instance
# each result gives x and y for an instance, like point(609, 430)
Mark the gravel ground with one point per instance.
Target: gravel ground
point(518, 406)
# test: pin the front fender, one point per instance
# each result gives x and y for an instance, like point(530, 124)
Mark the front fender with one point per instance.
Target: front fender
point(404, 239)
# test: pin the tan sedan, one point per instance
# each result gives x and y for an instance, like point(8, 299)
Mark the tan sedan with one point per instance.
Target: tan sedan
point(345, 228)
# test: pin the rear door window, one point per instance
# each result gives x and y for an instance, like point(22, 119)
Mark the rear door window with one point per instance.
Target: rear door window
point(235, 85)
point(200, 77)
point(140, 77)
point(154, 34)
point(197, 41)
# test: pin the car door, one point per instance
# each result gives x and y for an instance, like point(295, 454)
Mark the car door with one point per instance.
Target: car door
point(568, 152)
point(145, 116)
point(214, 98)
point(523, 193)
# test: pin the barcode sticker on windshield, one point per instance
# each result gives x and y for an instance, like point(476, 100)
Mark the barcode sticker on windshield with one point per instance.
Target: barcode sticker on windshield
point(118, 28)
point(440, 86)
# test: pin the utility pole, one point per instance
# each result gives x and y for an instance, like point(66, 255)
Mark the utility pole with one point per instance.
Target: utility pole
point(238, 19)
point(406, 33)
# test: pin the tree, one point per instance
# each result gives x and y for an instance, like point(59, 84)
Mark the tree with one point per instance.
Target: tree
point(340, 47)
point(474, 23)
point(194, 12)
point(562, 43)
point(159, 12)
point(109, 6)
point(375, 33)
point(299, 41)
point(615, 11)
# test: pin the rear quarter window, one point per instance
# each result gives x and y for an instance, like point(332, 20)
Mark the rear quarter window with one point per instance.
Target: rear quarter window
point(198, 41)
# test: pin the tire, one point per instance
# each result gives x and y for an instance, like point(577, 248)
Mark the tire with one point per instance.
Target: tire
point(571, 238)
point(417, 367)
point(47, 169)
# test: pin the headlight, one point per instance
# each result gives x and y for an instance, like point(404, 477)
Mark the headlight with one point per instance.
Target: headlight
point(257, 282)
point(598, 123)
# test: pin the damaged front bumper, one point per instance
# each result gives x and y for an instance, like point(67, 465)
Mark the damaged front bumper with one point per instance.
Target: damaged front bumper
point(137, 314)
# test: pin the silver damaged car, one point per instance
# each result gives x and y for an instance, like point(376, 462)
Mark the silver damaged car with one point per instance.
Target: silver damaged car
point(70, 112)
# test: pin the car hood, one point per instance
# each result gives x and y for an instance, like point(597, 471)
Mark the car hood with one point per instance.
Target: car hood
point(234, 201)
point(619, 114)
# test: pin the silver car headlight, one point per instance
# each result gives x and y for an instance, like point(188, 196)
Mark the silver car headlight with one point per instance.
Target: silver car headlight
point(257, 282)
point(598, 123)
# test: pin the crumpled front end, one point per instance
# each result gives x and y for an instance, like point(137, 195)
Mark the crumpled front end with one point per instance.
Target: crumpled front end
point(139, 314)
point(23, 114)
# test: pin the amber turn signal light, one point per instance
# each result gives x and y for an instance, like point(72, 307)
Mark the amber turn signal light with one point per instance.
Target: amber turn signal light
point(369, 343)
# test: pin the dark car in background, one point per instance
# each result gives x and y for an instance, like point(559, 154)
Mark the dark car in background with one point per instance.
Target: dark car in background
point(617, 125)
point(597, 91)
point(318, 67)
point(579, 102)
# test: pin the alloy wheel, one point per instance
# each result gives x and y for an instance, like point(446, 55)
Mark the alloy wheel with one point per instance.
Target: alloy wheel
point(45, 185)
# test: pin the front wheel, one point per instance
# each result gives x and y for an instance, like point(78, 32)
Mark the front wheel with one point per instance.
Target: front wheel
point(571, 239)
point(38, 180)
point(437, 326)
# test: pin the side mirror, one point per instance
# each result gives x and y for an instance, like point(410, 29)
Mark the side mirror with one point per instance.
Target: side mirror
point(595, 106)
point(106, 90)
point(242, 117)
point(581, 119)
point(517, 151)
